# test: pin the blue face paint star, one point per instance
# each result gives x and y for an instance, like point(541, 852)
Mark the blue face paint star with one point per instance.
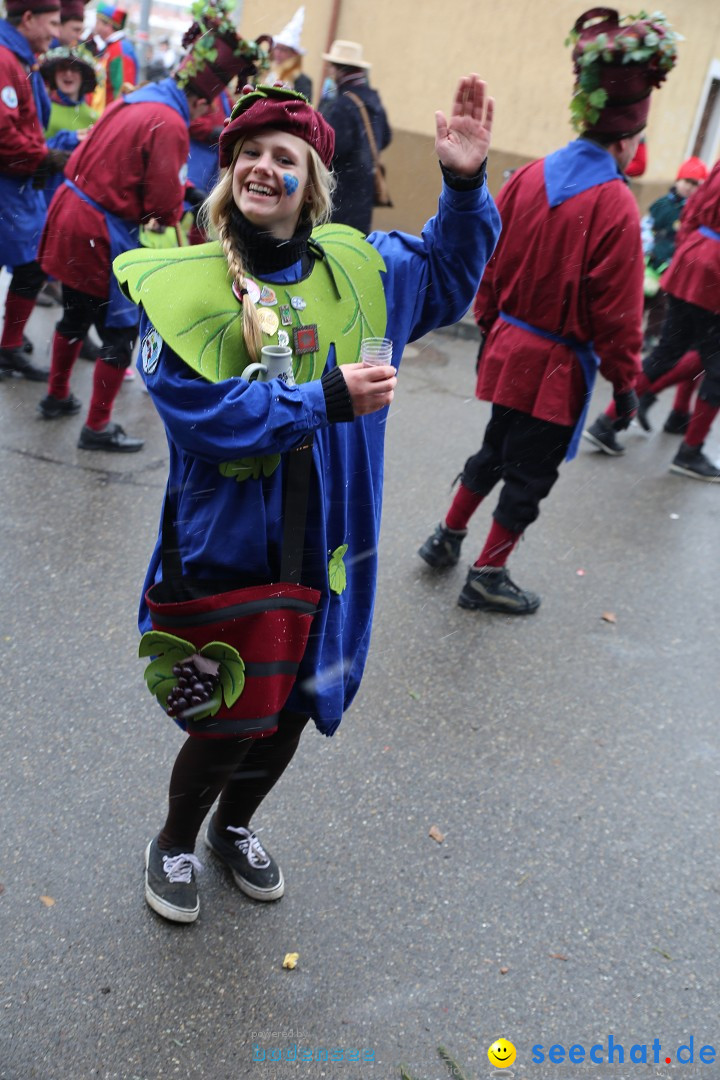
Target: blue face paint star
point(291, 183)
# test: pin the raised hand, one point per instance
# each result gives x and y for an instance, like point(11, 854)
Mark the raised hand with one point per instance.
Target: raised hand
point(462, 142)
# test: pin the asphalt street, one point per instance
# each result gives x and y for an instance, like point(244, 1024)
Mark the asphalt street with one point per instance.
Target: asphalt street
point(566, 762)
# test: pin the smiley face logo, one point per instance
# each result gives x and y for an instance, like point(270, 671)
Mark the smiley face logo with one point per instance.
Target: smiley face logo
point(501, 1053)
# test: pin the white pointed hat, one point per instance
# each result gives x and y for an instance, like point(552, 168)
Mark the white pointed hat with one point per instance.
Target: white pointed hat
point(290, 35)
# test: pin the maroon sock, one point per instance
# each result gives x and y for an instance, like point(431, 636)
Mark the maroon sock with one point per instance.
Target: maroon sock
point(64, 354)
point(107, 381)
point(18, 310)
point(683, 396)
point(701, 422)
point(462, 509)
point(498, 545)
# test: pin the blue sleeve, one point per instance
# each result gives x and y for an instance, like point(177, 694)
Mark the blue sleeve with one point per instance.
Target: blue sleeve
point(64, 140)
point(432, 279)
point(232, 419)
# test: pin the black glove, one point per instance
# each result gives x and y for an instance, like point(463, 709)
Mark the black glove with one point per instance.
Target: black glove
point(195, 196)
point(481, 346)
point(626, 404)
point(55, 162)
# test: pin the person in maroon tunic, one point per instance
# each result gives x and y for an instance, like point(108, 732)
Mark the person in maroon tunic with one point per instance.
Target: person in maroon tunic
point(561, 297)
point(690, 337)
point(131, 169)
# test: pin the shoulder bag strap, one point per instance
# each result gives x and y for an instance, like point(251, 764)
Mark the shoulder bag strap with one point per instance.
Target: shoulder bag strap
point(368, 126)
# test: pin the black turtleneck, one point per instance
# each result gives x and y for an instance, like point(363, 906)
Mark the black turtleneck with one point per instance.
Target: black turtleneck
point(265, 254)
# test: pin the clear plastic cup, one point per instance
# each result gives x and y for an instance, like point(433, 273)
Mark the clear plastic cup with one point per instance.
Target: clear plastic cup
point(376, 350)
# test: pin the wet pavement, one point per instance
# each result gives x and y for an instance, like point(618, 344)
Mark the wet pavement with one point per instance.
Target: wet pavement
point(568, 761)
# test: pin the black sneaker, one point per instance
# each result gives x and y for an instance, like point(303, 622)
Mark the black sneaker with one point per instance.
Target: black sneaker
point(677, 422)
point(255, 871)
point(489, 588)
point(602, 435)
point(170, 886)
point(112, 438)
point(646, 400)
point(442, 549)
point(15, 362)
point(690, 461)
point(51, 407)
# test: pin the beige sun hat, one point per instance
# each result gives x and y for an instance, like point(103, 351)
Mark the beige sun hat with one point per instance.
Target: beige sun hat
point(347, 54)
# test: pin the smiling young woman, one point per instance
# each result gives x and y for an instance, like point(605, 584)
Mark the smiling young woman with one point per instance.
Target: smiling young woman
point(277, 276)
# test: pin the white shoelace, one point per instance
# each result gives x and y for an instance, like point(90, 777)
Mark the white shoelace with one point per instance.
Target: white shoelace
point(180, 867)
point(250, 846)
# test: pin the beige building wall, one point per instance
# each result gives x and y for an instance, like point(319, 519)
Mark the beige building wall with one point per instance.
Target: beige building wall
point(418, 52)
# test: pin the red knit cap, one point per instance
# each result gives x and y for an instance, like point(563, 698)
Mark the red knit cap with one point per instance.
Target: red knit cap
point(72, 9)
point(693, 169)
point(282, 109)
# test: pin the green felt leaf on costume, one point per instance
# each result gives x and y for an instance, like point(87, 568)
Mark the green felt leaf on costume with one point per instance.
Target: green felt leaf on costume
point(337, 574)
point(158, 643)
point(231, 671)
point(250, 467)
point(361, 312)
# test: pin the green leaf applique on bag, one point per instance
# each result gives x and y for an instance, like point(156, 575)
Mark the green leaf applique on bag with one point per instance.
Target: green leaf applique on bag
point(183, 678)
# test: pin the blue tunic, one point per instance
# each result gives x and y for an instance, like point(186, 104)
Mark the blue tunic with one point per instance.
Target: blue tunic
point(227, 527)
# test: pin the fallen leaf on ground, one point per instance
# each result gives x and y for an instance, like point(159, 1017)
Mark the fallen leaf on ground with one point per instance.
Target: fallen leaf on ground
point(504, 971)
point(609, 617)
point(291, 960)
point(557, 956)
point(436, 834)
point(48, 901)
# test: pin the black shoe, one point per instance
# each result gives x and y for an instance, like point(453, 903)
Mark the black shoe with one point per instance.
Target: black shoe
point(170, 886)
point(690, 461)
point(602, 435)
point(489, 588)
point(255, 871)
point(51, 407)
point(112, 438)
point(15, 362)
point(442, 549)
point(677, 422)
point(646, 400)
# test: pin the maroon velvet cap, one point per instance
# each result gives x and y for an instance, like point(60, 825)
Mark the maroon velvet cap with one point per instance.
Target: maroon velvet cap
point(282, 109)
point(72, 9)
point(208, 79)
point(38, 7)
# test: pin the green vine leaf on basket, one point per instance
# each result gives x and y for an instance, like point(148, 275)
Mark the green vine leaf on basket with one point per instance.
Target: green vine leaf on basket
point(337, 575)
point(231, 671)
point(158, 643)
point(167, 651)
